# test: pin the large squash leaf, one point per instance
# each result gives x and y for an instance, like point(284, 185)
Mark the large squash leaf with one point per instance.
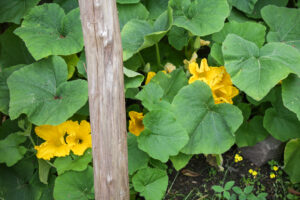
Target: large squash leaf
point(291, 93)
point(151, 183)
point(13, 50)
point(210, 127)
point(256, 71)
point(14, 10)
point(41, 91)
point(292, 160)
point(75, 185)
point(46, 30)
point(284, 24)
point(246, 6)
point(200, 17)
point(163, 135)
point(140, 34)
point(251, 31)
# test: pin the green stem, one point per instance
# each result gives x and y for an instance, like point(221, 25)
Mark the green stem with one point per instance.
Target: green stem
point(49, 163)
point(142, 59)
point(157, 54)
point(31, 140)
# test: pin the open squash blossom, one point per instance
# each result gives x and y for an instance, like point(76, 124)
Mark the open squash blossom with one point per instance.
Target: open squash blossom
point(79, 138)
point(217, 78)
point(136, 125)
point(54, 145)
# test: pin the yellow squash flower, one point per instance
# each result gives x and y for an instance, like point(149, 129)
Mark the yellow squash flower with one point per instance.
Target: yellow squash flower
point(54, 145)
point(79, 138)
point(217, 78)
point(150, 75)
point(136, 125)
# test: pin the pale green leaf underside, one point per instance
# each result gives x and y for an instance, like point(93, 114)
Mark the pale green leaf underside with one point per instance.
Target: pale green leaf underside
point(74, 163)
point(44, 95)
point(46, 30)
point(256, 71)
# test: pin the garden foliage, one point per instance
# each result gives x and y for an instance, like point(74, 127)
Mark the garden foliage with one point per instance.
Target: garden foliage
point(177, 104)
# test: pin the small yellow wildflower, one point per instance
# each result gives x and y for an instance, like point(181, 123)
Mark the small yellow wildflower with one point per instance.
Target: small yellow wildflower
point(150, 75)
point(217, 78)
point(136, 125)
point(79, 138)
point(254, 173)
point(275, 168)
point(272, 175)
point(250, 171)
point(237, 158)
point(54, 145)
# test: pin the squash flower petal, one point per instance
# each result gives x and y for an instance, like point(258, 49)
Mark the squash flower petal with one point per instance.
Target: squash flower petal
point(136, 125)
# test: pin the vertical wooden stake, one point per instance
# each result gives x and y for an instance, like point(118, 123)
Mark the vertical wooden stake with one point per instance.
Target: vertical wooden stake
point(103, 49)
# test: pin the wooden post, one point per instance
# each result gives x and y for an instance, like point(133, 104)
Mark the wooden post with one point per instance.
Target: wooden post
point(103, 49)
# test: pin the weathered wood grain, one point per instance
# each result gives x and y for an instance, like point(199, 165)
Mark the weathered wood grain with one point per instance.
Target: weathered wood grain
point(106, 98)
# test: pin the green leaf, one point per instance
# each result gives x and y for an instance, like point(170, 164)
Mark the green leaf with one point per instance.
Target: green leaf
point(128, 12)
point(291, 94)
point(138, 34)
point(251, 31)
point(13, 185)
point(151, 97)
point(282, 124)
point(71, 61)
point(11, 151)
point(132, 79)
point(292, 160)
point(4, 92)
point(237, 190)
point(13, 11)
point(73, 162)
point(180, 161)
point(151, 183)
point(8, 127)
point(248, 189)
point(45, 95)
point(284, 24)
point(163, 135)
point(178, 37)
point(217, 188)
point(246, 6)
point(246, 110)
point(46, 31)
point(137, 159)
point(200, 17)
point(262, 3)
point(156, 7)
point(238, 16)
point(256, 71)
point(251, 132)
point(229, 185)
point(210, 127)
point(75, 185)
point(67, 5)
point(170, 83)
point(44, 169)
point(13, 50)
point(81, 65)
point(127, 1)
